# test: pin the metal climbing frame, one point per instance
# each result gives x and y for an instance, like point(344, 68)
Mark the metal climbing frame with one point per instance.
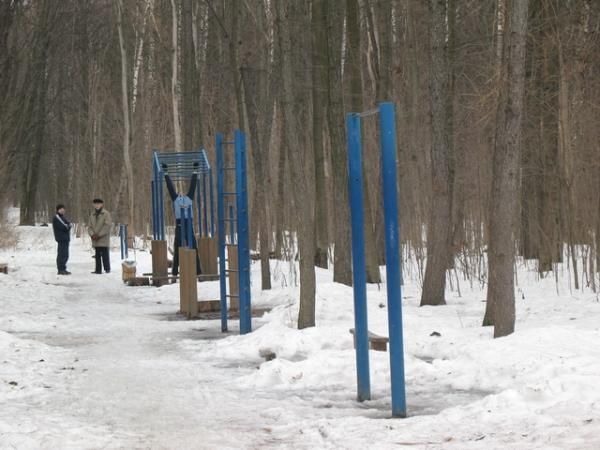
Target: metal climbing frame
point(181, 168)
point(387, 128)
point(238, 227)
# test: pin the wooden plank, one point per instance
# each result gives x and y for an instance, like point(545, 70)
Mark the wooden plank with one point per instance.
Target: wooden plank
point(160, 263)
point(138, 281)
point(208, 254)
point(188, 288)
point(376, 342)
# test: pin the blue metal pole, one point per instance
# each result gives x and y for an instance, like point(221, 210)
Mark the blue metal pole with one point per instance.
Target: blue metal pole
point(242, 233)
point(161, 208)
point(392, 256)
point(121, 238)
point(153, 195)
point(212, 206)
point(190, 229)
point(231, 226)
point(205, 204)
point(221, 231)
point(199, 206)
point(355, 185)
point(182, 228)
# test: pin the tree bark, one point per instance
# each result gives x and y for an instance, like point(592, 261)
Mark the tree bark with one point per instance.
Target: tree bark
point(342, 266)
point(504, 201)
point(438, 233)
point(294, 108)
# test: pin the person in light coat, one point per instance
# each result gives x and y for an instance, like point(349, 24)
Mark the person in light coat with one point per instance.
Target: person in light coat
point(99, 227)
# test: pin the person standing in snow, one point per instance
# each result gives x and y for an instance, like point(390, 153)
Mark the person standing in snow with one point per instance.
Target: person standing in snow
point(186, 203)
point(99, 228)
point(62, 234)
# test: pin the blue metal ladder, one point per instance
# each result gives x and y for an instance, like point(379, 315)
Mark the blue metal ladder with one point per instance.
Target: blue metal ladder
point(238, 227)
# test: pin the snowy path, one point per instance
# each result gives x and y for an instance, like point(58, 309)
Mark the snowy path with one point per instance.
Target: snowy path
point(128, 381)
point(88, 363)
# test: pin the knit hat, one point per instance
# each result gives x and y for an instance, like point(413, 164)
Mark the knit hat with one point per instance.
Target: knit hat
point(59, 206)
point(98, 200)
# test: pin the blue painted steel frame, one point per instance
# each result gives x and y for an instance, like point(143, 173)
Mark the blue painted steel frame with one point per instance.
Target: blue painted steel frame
point(182, 163)
point(392, 256)
point(392, 248)
point(221, 229)
point(355, 190)
point(123, 241)
point(241, 219)
point(242, 232)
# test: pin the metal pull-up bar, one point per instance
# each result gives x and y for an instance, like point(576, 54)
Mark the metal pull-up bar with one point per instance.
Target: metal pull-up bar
point(387, 126)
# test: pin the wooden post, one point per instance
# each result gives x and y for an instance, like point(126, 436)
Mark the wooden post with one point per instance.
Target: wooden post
point(188, 289)
point(234, 279)
point(208, 254)
point(160, 264)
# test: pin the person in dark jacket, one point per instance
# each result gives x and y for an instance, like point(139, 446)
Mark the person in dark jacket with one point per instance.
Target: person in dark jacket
point(62, 234)
point(185, 202)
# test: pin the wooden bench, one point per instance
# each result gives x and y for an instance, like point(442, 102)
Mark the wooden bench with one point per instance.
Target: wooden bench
point(138, 281)
point(3, 268)
point(376, 342)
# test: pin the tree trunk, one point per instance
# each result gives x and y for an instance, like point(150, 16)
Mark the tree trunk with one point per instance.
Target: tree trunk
point(127, 132)
point(319, 82)
point(35, 115)
point(438, 233)
point(175, 76)
point(294, 109)
point(504, 201)
point(353, 73)
point(342, 267)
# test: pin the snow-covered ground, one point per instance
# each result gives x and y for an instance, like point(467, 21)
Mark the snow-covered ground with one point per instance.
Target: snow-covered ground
point(87, 362)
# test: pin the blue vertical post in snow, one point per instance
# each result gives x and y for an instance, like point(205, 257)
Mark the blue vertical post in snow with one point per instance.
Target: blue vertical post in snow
point(126, 241)
point(212, 206)
point(242, 233)
point(199, 207)
point(182, 227)
point(190, 228)
point(221, 230)
point(153, 194)
point(161, 206)
point(355, 190)
point(392, 256)
point(232, 230)
point(205, 204)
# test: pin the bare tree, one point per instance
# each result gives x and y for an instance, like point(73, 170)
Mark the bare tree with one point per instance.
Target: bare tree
point(504, 202)
point(438, 232)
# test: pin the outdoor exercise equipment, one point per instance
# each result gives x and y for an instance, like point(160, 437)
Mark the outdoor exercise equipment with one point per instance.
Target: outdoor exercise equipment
point(181, 167)
point(387, 129)
point(237, 243)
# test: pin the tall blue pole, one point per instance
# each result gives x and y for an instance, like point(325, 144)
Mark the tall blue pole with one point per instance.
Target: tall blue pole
point(153, 193)
point(232, 230)
point(221, 230)
point(205, 205)
point(199, 206)
point(161, 206)
point(242, 233)
point(358, 256)
point(212, 206)
point(190, 229)
point(392, 256)
point(126, 241)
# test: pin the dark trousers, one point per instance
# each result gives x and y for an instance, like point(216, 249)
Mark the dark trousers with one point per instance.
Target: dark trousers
point(62, 255)
point(102, 259)
point(177, 244)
